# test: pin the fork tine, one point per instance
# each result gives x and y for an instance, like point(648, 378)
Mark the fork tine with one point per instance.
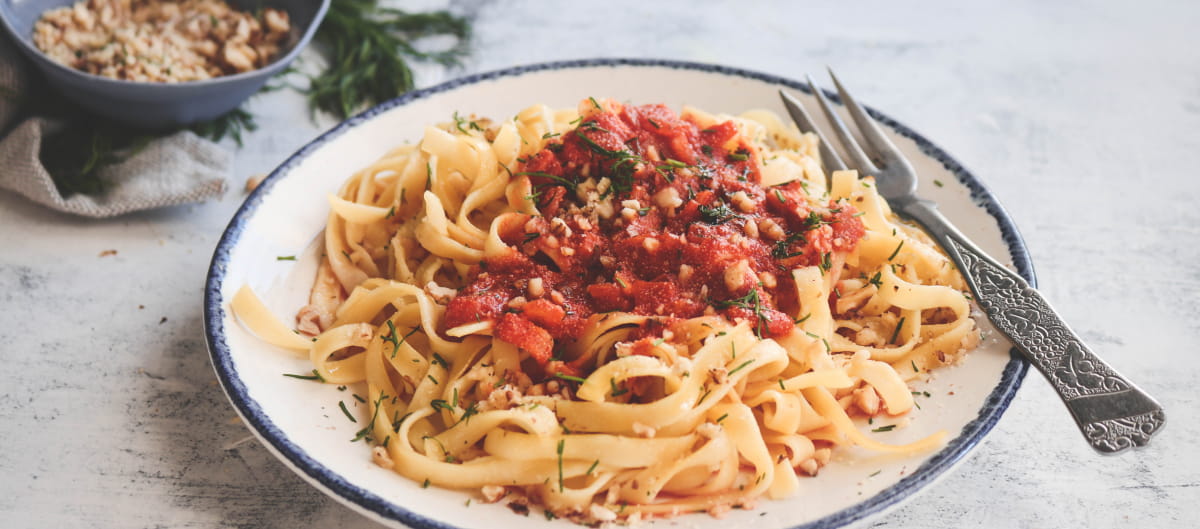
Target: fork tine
point(829, 157)
point(860, 159)
point(876, 139)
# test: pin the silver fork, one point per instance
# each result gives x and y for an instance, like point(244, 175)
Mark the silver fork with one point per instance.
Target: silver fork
point(1112, 413)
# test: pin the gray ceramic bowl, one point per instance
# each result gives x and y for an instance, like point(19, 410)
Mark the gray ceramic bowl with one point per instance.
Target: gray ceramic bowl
point(159, 105)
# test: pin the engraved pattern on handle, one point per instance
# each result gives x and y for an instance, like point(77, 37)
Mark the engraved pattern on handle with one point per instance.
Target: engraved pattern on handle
point(1020, 312)
point(1112, 413)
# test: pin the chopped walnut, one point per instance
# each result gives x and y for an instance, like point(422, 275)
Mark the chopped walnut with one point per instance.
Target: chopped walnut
point(739, 275)
point(440, 294)
point(493, 493)
point(719, 510)
point(768, 279)
point(743, 201)
point(668, 198)
point(867, 400)
point(601, 513)
point(503, 398)
point(161, 41)
point(559, 227)
point(750, 228)
point(380, 457)
point(685, 273)
point(253, 182)
point(810, 466)
point(535, 288)
point(771, 229)
point(822, 455)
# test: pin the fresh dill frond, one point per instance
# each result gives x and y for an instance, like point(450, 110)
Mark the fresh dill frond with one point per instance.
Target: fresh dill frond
point(368, 46)
point(231, 124)
point(75, 155)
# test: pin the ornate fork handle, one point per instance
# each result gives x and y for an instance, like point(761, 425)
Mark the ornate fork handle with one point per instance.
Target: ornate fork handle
point(1112, 412)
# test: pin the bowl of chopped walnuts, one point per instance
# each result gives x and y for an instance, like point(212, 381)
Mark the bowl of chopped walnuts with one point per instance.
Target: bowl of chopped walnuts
point(161, 64)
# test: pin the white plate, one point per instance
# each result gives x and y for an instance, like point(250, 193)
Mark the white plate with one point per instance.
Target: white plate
point(299, 421)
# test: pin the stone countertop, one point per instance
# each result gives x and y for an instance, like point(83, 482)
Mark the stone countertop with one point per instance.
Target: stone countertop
point(1081, 117)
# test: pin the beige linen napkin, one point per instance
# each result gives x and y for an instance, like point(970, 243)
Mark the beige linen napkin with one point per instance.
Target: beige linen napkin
point(175, 169)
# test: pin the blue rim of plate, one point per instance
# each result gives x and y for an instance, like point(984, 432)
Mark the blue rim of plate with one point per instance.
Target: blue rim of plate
point(214, 312)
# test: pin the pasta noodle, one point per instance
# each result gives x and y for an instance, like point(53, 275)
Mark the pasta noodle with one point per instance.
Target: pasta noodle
point(617, 312)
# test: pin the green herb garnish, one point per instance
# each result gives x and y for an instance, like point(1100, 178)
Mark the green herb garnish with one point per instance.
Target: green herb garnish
point(368, 45)
point(616, 392)
point(314, 376)
point(717, 214)
point(391, 337)
point(781, 249)
point(438, 360)
point(365, 433)
point(750, 302)
point(570, 378)
point(896, 332)
point(569, 184)
point(231, 124)
point(342, 405)
point(739, 368)
point(561, 443)
point(877, 280)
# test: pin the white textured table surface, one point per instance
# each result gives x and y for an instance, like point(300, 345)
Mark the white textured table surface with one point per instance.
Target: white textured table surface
point(1082, 117)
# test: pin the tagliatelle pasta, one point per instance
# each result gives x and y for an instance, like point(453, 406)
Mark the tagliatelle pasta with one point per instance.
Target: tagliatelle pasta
point(616, 312)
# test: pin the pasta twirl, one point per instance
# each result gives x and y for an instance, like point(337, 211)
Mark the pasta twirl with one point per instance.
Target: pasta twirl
point(617, 312)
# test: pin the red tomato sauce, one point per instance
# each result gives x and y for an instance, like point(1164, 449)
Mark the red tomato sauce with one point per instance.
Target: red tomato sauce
point(676, 244)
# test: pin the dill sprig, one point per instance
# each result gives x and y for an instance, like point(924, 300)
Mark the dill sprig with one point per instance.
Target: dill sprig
point(750, 301)
point(716, 214)
point(231, 124)
point(75, 155)
point(368, 45)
